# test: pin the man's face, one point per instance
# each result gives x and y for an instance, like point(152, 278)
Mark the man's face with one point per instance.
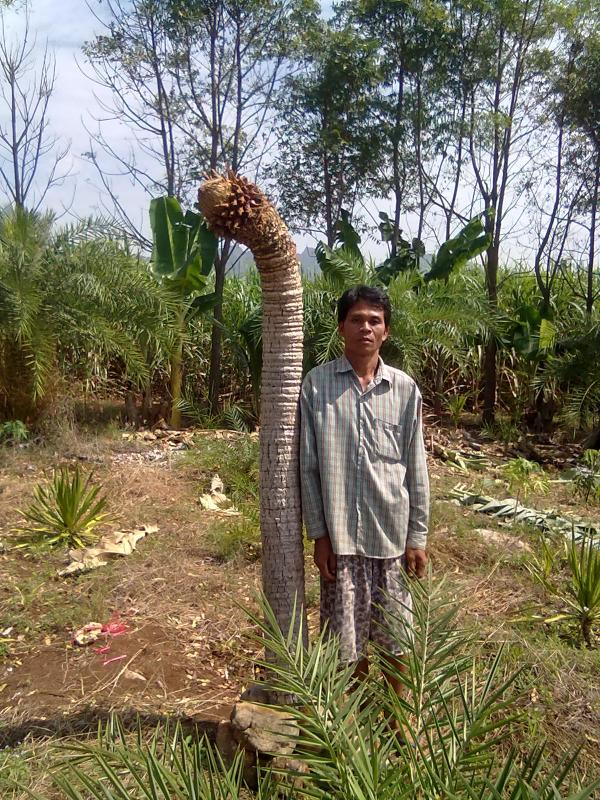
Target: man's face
point(364, 330)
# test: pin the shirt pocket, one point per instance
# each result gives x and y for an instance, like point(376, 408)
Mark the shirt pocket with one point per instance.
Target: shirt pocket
point(387, 442)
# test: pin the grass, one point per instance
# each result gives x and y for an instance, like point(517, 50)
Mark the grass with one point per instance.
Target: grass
point(235, 460)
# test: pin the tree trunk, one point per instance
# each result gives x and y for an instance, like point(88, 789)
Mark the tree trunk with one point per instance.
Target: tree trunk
point(216, 338)
point(236, 209)
point(589, 300)
point(177, 373)
point(489, 361)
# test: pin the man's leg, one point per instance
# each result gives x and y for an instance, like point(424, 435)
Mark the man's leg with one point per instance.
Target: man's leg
point(391, 627)
point(397, 664)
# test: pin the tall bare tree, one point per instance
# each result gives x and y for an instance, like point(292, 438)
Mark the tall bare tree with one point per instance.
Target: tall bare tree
point(505, 44)
point(31, 156)
point(194, 81)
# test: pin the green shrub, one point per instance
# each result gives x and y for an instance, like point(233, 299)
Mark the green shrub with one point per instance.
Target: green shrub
point(13, 432)
point(66, 512)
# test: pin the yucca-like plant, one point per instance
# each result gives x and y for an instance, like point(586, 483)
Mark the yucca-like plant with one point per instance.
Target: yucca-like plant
point(579, 592)
point(458, 714)
point(66, 512)
point(456, 405)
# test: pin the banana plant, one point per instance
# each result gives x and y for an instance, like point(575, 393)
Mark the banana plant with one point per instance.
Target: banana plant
point(183, 254)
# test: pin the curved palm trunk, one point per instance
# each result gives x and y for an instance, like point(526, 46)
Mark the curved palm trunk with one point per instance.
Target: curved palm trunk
point(236, 209)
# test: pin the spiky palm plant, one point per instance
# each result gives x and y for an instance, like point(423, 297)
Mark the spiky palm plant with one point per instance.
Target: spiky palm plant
point(460, 713)
point(65, 295)
point(66, 512)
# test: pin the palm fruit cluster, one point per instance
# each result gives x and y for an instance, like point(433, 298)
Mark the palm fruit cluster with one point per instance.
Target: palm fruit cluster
point(228, 203)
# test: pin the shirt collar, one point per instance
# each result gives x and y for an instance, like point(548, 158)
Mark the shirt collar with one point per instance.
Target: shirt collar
point(383, 371)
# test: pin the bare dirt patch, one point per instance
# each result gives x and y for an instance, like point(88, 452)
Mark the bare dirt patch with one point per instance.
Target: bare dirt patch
point(186, 651)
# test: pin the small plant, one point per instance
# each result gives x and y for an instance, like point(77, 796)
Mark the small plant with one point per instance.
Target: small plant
point(586, 477)
point(504, 431)
point(524, 477)
point(580, 593)
point(234, 418)
point(456, 405)
point(13, 432)
point(66, 512)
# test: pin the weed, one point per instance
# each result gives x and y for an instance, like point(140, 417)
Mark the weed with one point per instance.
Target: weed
point(586, 476)
point(66, 512)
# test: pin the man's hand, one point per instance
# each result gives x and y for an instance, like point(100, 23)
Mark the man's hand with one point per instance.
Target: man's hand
point(325, 558)
point(416, 561)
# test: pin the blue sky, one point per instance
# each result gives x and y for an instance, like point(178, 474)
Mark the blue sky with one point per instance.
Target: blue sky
point(65, 25)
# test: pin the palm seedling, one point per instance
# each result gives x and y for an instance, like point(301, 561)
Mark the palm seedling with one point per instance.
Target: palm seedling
point(13, 432)
point(579, 593)
point(456, 405)
point(459, 714)
point(66, 512)
point(523, 478)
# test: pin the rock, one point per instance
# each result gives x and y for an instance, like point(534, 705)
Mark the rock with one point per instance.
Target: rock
point(229, 747)
point(264, 729)
point(289, 772)
point(255, 694)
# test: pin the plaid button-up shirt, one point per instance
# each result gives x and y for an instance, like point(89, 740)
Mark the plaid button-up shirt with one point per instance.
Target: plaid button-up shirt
point(362, 461)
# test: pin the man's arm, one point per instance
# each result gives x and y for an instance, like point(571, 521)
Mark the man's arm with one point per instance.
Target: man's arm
point(310, 478)
point(417, 481)
point(310, 481)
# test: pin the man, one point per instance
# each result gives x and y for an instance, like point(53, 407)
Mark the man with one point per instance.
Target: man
point(365, 489)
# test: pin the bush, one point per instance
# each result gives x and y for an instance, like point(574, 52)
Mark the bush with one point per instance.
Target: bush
point(13, 432)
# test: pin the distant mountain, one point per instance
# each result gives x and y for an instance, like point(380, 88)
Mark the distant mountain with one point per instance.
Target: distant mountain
point(241, 262)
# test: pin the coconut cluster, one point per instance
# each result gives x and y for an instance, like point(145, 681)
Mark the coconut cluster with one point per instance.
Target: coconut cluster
point(228, 203)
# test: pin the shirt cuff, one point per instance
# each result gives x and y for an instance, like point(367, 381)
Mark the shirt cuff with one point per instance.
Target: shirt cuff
point(417, 541)
point(319, 533)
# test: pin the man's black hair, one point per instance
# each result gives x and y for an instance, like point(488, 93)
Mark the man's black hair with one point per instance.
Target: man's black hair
point(369, 294)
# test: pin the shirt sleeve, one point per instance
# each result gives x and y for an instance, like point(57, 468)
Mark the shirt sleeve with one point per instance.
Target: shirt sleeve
point(310, 477)
point(417, 481)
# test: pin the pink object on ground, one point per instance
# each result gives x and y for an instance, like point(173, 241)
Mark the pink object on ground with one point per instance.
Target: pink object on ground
point(116, 658)
point(114, 628)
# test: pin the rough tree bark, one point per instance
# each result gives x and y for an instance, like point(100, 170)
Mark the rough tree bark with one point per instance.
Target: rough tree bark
point(236, 209)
